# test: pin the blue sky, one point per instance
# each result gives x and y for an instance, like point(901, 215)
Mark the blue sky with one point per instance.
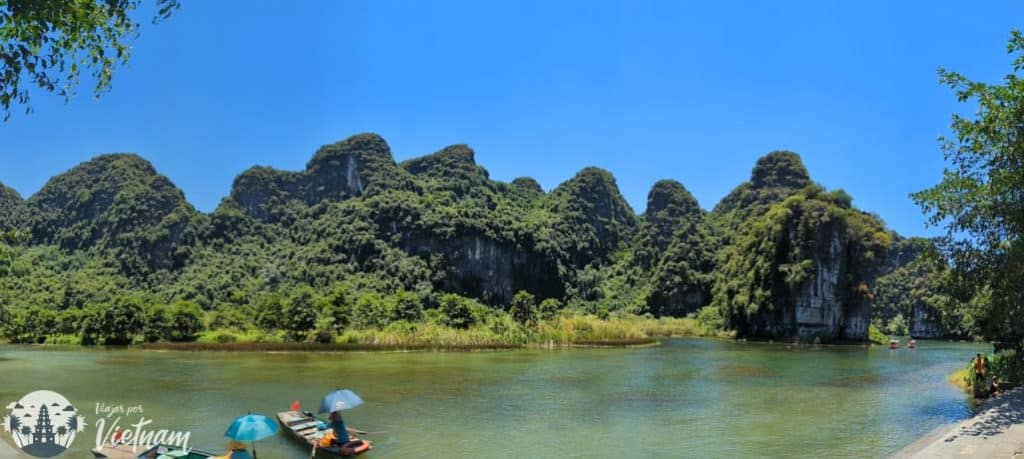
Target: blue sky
point(693, 91)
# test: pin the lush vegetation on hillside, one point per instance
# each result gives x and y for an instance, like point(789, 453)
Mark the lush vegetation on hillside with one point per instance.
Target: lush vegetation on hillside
point(359, 248)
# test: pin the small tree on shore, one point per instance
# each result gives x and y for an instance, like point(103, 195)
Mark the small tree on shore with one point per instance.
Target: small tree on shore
point(523, 308)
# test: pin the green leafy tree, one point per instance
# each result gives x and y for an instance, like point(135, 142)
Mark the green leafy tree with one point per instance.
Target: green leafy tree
point(299, 313)
point(49, 43)
point(158, 324)
point(5, 321)
point(407, 306)
point(31, 325)
point(456, 310)
point(897, 326)
point(117, 323)
point(371, 310)
point(186, 321)
point(523, 308)
point(979, 202)
point(549, 308)
point(270, 311)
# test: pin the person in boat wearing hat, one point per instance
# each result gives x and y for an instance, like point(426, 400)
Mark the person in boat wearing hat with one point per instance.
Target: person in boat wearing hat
point(341, 433)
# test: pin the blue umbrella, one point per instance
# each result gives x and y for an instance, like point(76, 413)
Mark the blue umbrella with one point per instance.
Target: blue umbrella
point(251, 427)
point(342, 399)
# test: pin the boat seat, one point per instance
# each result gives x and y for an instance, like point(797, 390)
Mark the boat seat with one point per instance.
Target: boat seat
point(304, 426)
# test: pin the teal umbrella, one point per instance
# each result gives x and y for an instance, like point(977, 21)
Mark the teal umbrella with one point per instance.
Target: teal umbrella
point(251, 427)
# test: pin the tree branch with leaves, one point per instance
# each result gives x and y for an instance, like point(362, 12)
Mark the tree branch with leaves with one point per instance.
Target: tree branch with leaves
point(980, 202)
point(50, 43)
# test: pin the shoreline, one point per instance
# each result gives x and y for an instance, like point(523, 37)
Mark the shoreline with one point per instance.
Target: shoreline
point(373, 347)
point(294, 347)
point(995, 430)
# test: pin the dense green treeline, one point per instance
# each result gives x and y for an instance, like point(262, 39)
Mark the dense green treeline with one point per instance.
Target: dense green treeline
point(111, 252)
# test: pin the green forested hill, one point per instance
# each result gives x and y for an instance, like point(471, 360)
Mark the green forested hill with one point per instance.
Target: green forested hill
point(10, 209)
point(110, 251)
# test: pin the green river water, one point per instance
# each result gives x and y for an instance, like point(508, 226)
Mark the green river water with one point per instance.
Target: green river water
point(685, 398)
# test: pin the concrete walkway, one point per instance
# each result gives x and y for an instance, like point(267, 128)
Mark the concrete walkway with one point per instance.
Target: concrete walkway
point(997, 431)
point(7, 450)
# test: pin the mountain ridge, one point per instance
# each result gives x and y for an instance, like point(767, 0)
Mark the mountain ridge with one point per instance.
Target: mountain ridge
point(355, 218)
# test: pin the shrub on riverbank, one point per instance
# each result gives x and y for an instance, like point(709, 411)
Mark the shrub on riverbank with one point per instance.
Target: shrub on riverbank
point(875, 335)
point(1007, 367)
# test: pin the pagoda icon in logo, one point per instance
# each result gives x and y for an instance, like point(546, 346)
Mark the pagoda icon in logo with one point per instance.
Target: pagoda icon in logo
point(43, 423)
point(43, 435)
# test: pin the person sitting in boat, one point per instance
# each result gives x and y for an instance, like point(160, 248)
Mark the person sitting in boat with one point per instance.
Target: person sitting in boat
point(237, 450)
point(341, 436)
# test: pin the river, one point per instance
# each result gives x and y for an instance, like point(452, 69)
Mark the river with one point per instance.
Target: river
point(690, 397)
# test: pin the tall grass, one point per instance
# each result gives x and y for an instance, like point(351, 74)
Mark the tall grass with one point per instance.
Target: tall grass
point(497, 332)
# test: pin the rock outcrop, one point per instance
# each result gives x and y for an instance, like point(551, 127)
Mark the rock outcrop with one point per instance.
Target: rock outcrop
point(908, 292)
point(357, 166)
point(802, 263)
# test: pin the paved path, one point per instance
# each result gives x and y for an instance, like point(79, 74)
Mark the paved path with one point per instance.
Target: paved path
point(997, 431)
point(7, 451)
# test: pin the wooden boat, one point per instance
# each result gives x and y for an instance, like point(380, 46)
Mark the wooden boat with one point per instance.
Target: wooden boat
point(123, 451)
point(305, 427)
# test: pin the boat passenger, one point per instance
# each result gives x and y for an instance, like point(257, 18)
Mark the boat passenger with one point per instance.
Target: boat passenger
point(341, 436)
point(237, 450)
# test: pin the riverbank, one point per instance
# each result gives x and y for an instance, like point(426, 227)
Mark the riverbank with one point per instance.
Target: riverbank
point(560, 332)
point(996, 431)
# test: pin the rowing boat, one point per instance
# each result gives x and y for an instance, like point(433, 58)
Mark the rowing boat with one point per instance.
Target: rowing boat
point(123, 451)
point(305, 427)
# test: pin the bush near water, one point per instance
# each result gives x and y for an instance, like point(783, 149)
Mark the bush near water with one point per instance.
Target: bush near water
point(1006, 366)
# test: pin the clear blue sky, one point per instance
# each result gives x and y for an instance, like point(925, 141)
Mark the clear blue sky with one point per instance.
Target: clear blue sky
point(693, 91)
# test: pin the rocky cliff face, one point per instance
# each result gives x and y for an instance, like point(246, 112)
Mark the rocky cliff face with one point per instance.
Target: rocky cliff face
point(926, 322)
point(801, 262)
point(818, 301)
point(908, 292)
point(818, 304)
point(357, 166)
point(486, 269)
